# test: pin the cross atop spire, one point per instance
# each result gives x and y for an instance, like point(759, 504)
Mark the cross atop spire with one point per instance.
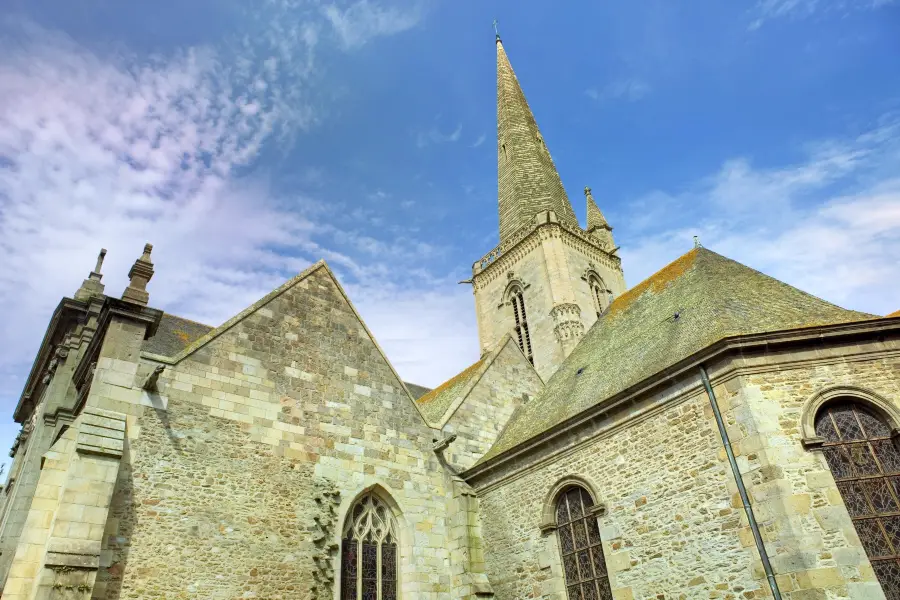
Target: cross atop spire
point(496, 30)
point(528, 181)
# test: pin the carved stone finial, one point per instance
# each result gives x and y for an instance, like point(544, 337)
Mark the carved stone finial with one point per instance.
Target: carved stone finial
point(587, 191)
point(140, 274)
point(100, 258)
point(91, 287)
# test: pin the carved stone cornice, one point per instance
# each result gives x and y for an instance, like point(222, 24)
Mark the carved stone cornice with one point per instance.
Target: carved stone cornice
point(67, 314)
point(606, 415)
point(526, 239)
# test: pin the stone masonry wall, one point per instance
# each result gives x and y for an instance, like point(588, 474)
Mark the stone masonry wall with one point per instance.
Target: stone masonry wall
point(527, 265)
point(579, 263)
point(294, 397)
point(670, 525)
point(491, 402)
point(199, 510)
point(557, 280)
point(806, 525)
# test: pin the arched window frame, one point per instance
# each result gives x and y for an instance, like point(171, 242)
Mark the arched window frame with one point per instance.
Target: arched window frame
point(403, 543)
point(514, 296)
point(868, 487)
point(814, 404)
point(599, 293)
point(549, 525)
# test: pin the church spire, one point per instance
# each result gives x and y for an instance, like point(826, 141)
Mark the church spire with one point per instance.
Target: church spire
point(528, 182)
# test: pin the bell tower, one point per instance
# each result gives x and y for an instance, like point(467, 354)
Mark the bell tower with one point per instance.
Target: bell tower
point(548, 280)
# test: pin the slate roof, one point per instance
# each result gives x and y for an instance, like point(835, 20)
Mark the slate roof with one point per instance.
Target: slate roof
point(174, 335)
point(435, 403)
point(416, 390)
point(639, 335)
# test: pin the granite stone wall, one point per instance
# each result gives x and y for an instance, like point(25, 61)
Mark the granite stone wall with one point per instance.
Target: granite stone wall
point(220, 493)
point(808, 530)
point(550, 262)
point(480, 418)
point(670, 528)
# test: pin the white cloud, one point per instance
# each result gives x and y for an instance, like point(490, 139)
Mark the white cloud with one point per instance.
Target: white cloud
point(111, 150)
point(481, 139)
point(829, 225)
point(364, 20)
point(767, 10)
point(631, 90)
point(436, 136)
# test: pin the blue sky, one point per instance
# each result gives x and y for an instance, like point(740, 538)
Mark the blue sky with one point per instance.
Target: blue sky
point(247, 140)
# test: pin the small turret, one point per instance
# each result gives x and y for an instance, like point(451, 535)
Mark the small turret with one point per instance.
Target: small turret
point(91, 287)
point(597, 226)
point(140, 274)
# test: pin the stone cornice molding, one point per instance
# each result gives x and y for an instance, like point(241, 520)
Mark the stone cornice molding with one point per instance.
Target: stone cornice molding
point(501, 258)
point(580, 429)
point(886, 409)
point(67, 312)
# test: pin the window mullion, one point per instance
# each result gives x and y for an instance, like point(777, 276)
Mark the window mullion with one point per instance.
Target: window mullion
point(359, 569)
point(378, 571)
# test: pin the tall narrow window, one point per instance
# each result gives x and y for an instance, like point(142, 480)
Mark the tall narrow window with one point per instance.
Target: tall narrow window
point(580, 546)
point(598, 293)
point(517, 299)
point(866, 466)
point(369, 552)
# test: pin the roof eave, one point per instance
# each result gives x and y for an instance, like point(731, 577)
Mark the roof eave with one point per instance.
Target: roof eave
point(796, 337)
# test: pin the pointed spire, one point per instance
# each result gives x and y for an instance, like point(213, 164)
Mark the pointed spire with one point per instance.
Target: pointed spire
point(528, 182)
point(597, 224)
point(595, 217)
point(91, 286)
point(139, 275)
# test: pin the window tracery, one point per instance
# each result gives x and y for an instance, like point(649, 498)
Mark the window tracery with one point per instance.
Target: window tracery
point(369, 551)
point(584, 565)
point(523, 335)
point(865, 463)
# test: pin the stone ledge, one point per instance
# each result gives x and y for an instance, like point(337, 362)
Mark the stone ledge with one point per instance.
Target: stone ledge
point(73, 553)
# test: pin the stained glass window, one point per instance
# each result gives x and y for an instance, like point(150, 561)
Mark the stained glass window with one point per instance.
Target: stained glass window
point(369, 552)
point(580, 546)
point(517, 299)
point(866, 466)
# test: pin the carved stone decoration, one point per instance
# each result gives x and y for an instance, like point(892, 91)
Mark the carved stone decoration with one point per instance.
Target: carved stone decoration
point(324, 535)
point(568, 322)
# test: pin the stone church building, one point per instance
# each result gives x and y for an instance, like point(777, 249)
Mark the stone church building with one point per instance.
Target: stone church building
point(708, 433)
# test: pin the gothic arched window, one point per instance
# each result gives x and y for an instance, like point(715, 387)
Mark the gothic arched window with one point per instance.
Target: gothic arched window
point(517, 299)
point(598, 293)
point(866, 467)
point(580, 546)
point(369, 551)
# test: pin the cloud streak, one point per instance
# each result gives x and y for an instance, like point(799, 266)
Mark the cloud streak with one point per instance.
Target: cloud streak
point(110, 149)
point(363, 20)
point(436, 136)
point(630, 90)
point(769, 10)
point(829, 225)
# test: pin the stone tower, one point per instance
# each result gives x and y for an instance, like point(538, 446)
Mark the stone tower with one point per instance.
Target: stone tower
point(549, 279)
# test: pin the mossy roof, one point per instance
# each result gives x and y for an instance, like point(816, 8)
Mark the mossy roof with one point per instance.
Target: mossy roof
point(435, 403)
point(639, 335)
point(416, 390)
point(894, 314)
point(173, 335)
